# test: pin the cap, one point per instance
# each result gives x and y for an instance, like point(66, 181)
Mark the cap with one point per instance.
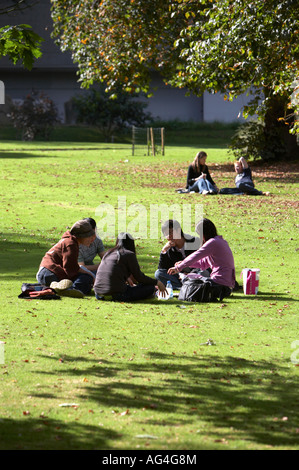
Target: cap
point(82, 229)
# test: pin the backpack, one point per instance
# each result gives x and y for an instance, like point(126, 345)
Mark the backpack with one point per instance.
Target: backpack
point(37, 291)
point(199, 290)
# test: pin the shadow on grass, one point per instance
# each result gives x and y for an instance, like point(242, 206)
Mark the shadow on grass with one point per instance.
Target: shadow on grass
point(52, 434)
point(24, 154)
point(240, 400)
point(22, 256)
point(262, 296)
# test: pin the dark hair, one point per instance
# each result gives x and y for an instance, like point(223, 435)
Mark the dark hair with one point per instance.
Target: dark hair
point(206, 229)
point(124, 241)
point(171, 224)
point(91, 221)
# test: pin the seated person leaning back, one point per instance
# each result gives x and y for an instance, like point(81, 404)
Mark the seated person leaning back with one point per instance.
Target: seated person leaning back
point(179, 245)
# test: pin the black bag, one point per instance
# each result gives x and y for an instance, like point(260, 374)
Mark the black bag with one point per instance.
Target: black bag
point(37, 291)
point(199, 290)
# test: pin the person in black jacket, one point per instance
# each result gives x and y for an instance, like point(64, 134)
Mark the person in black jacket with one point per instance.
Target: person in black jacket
point(198, 176)
point(179, 245)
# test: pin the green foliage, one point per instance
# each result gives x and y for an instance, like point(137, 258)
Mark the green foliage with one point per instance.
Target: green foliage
point(20, 43)
point(119, 42)
point(251, 142)
point(36, 115)
point(215, 46)
point(242, 45)
point(111, 113)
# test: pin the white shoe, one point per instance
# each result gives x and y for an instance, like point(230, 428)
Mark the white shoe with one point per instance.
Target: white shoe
point(65, 288)
point(61, 285)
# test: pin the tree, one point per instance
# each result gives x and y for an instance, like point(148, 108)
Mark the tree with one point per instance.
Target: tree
point(245, 45)
point(119, 42)
point(226, 46)
point(110, 114)
point(20, 43)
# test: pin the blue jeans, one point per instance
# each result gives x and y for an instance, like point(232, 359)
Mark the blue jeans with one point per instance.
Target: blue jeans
point(163, 276)
point(133, 293)
point(202, 185)
point(82, 282)
point(244, 188)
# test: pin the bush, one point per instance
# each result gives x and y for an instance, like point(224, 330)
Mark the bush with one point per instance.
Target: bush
point(36, 115)
point(253, 141)
point(109, 113)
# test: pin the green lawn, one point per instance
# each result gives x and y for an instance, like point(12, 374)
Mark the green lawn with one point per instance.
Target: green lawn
point(84, 374)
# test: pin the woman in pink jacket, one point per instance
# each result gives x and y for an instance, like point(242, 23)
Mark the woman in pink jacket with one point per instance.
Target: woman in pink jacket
point(214, 253)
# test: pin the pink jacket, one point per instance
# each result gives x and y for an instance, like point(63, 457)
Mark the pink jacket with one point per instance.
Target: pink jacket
point(214, 254)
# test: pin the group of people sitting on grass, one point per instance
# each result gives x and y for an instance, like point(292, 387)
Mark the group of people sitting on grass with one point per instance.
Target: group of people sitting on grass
point(68, 267)
point(200, 181)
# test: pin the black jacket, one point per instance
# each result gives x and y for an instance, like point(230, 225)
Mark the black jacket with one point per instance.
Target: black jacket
point(114, 270)
point(167, 260)
point(192, 174)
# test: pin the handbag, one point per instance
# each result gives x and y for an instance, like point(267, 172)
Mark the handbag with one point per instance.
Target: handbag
point(202, 290)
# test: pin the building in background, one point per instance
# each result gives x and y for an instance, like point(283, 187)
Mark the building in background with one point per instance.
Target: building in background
point(55, 74)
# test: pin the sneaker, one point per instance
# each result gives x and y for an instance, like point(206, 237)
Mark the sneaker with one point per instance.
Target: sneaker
point(65, 288)
point(205, 191)
point(61, 285)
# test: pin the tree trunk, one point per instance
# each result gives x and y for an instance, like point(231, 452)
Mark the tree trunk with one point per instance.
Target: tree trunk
point(279, 143)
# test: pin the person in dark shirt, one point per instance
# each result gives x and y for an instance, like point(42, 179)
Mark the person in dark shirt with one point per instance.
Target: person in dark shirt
point(243, 181)
point(120, 276)
point(198, 176)
point(179, 245)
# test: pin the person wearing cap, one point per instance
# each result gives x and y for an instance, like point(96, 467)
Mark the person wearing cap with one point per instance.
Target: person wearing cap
point(60, 269)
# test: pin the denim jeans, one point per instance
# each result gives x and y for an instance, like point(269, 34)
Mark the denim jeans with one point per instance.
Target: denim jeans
point(163, 276)
point(244, 188)
point(202, 185)
point(133, 293)
point(82, 282)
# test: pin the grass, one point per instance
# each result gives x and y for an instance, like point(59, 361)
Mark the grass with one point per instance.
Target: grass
point(140, 376)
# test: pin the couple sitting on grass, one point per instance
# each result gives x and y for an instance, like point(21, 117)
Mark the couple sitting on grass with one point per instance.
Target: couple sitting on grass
point(200, 181)
point(119, 275)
